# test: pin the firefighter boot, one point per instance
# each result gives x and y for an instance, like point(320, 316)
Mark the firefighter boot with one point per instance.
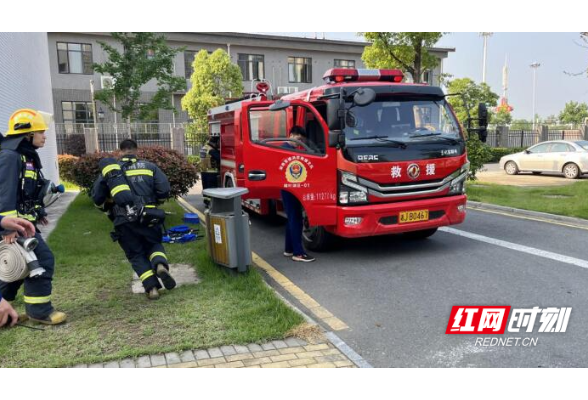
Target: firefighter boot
point(153, 294)
point(55, 318)
point(168, 281)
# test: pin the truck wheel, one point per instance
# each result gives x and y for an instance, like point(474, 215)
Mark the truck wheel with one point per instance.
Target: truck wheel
point(315, 238)
point(419, 235)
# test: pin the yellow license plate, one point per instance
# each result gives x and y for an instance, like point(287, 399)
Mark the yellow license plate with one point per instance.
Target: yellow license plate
point(413, 216)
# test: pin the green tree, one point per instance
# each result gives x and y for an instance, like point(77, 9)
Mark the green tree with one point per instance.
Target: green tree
point(145, 57)
point(574, 113)
point(521, 124)
point(478, 154)
point(404, 50)
point(214, 80)
point(502, 117)
point(470, 94)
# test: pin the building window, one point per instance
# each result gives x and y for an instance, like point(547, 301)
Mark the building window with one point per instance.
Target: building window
point(188, 60)
point(300, 70)
point(428, 77)
point(348, 64)
point(251, 66)
point(77, 112)
point(189, 56)
point(74, 58)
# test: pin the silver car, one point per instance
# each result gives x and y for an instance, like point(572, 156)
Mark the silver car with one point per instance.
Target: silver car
point(563, 156)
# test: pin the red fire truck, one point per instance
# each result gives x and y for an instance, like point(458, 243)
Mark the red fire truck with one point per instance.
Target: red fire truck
point(381, 157)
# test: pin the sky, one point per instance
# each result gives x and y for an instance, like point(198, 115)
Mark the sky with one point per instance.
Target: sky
point(556, 52)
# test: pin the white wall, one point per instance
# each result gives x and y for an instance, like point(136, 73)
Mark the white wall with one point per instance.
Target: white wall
point(25, 82)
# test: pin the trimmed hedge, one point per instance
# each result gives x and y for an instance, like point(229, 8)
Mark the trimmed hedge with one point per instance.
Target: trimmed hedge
point(75, 145)
point(182, 175)
point(498, 152)
point(67, 166)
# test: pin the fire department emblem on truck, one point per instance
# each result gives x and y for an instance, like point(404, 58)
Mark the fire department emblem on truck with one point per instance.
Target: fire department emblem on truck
point(296, 172)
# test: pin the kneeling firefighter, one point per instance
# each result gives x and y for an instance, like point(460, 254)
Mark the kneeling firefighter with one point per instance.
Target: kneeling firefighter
point(129, 191)
point(22, 192)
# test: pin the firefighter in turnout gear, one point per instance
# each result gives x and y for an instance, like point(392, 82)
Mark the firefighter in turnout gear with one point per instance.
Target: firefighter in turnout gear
point(210, 164)
point(21, 195)
point(129, 191)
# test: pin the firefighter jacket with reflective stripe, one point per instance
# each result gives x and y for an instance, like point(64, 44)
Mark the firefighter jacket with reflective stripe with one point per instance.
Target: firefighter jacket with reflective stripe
point(20, 187)
point(143, 179)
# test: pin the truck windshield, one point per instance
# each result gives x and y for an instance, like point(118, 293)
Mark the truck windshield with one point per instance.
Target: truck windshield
point(401, 120)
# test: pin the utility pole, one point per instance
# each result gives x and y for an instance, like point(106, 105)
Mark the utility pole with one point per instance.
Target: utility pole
point(535, 66)
point(485, 35)
point(94, 115)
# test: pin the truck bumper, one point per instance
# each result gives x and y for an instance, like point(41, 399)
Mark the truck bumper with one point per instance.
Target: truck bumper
point(383, 219)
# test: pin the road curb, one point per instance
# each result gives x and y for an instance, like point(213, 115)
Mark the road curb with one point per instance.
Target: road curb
point(343, 347)
point(579, 222)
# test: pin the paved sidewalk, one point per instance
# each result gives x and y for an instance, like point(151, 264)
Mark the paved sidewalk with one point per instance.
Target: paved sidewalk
point(288, 353)
point(55, 211)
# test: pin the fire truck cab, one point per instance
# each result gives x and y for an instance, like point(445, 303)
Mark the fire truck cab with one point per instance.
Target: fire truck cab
point(381, 156)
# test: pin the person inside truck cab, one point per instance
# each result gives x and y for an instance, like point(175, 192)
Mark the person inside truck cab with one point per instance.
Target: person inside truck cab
point(293, 244)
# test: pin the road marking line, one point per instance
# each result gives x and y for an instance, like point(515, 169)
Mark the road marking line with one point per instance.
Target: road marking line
point(518, 247)
point(313, 306)
point(529, 218)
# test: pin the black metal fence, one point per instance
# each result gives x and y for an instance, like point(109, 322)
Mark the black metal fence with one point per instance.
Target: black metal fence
point(71, 138)
point(525, 135)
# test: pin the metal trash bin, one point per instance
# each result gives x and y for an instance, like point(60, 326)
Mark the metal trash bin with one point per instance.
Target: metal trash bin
point(227, 228)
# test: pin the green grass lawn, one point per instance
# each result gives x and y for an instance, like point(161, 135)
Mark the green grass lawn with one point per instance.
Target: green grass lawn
point(570, 200)
point(106, 321)
point(70, 186)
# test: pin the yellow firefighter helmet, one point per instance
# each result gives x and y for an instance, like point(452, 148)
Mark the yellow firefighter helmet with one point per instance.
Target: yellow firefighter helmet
point(26, 120)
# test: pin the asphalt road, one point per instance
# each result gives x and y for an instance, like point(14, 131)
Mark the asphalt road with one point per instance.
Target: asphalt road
point(396, 295)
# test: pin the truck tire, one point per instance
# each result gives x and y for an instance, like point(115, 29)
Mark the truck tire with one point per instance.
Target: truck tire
point(316, 238)
point(419, 235)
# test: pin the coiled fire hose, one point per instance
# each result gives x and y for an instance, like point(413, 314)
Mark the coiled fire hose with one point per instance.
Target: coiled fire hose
point(13, 262)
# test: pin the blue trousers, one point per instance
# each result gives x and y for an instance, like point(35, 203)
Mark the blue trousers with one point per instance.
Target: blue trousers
point(294, 226)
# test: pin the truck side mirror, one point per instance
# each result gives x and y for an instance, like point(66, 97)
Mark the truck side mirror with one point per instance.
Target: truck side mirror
point(364, 97)
point(336, 139)
point(333, 115)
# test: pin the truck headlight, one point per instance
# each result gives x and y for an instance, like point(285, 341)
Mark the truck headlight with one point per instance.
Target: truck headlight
point(357, 197)
point(457, 186)
point(350, 191)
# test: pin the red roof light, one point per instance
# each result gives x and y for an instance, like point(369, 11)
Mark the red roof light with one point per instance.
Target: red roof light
point(337, 75)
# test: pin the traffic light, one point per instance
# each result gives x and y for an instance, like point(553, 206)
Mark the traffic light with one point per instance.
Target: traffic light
point(482, 122)
point(483, 115)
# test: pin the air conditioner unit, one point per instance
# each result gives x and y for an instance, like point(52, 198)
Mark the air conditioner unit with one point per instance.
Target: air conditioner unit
point(107, 82)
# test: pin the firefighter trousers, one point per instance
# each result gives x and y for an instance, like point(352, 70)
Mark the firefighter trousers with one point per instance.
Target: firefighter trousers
point(293, 210)
point(143, 248)
point(37, 291)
